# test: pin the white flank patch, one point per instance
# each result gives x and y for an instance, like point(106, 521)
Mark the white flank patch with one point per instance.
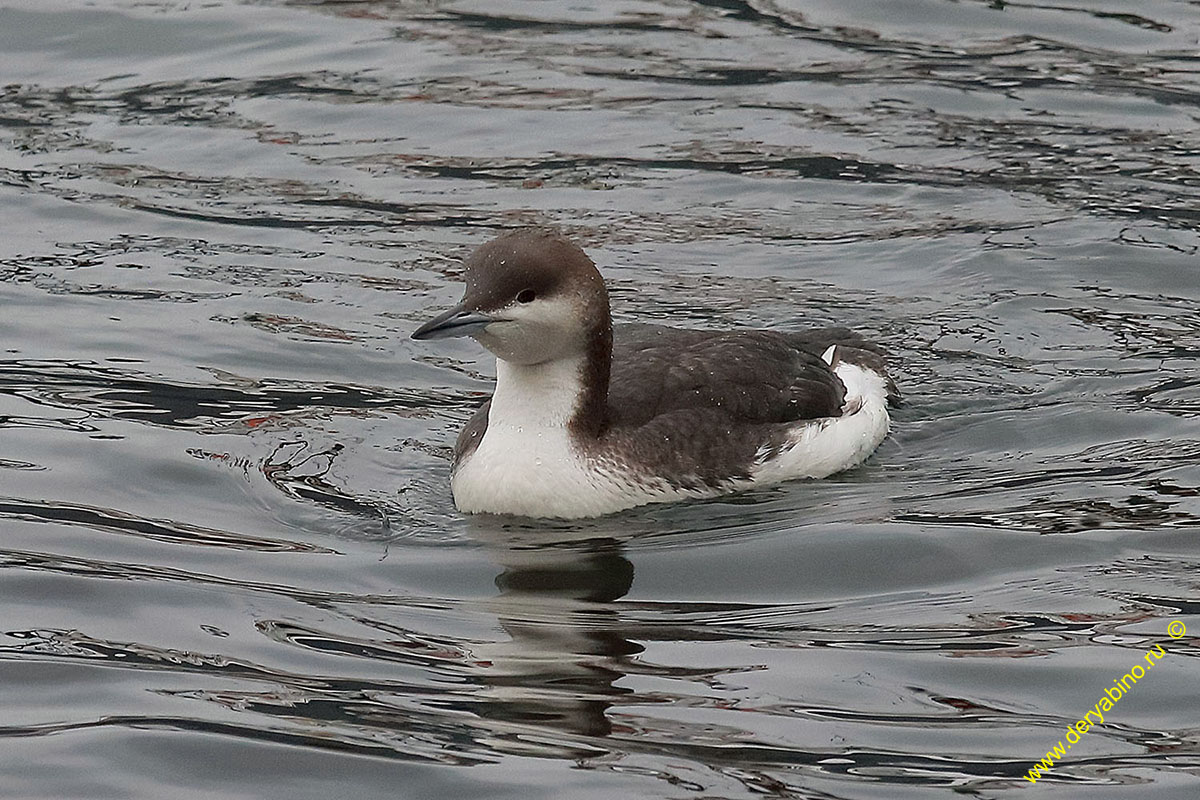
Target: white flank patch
point(819, 448)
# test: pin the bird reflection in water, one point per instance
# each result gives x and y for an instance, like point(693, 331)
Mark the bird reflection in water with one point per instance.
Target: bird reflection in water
point(567, 646)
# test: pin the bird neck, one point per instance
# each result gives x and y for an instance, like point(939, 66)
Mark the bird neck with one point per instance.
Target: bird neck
point(570, 392)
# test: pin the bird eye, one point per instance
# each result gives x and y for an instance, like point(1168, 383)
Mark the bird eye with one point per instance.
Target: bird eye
point(526, 296)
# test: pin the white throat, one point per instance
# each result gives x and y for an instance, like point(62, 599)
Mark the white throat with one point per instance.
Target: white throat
point(536, 397)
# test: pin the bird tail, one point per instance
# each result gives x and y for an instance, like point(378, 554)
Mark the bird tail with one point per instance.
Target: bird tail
point(836, 345)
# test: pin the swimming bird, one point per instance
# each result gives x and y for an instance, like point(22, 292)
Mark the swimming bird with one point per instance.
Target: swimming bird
point(589, 418)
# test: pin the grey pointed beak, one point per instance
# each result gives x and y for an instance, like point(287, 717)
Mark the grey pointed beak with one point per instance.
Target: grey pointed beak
point(457, 321)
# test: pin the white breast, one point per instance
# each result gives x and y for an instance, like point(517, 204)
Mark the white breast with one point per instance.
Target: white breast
point(526, 464)
point(532, 472)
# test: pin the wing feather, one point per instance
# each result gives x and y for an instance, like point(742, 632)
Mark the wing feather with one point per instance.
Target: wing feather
point(754, 377)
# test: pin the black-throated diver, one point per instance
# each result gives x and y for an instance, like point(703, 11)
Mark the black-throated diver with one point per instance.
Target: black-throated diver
point(589, 418)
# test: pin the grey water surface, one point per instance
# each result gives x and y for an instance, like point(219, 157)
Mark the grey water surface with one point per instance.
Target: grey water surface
point(229, 562)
